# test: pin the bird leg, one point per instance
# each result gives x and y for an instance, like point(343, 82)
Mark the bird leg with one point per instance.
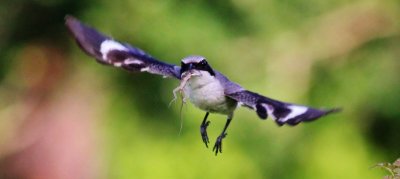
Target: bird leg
point(203, 130)
point(218, 144)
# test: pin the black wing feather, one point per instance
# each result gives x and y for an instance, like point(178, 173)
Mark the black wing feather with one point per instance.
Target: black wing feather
point(110, 52)
point(281, 112)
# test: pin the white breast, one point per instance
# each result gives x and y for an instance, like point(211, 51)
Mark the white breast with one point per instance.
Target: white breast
point(207, 93)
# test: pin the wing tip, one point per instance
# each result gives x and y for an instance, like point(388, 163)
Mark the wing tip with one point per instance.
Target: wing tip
point(88, 39)
point(69, 19)
point(73, 24)
point(333, 110)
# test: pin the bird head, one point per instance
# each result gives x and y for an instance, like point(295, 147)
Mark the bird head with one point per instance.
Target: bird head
point(195, 64)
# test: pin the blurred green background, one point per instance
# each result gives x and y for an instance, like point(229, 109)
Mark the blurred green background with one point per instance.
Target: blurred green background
point(62, 115)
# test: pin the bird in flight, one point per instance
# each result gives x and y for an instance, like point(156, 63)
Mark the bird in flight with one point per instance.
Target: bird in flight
point(205, 87)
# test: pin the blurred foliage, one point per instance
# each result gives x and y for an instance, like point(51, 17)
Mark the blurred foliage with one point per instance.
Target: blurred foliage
point(58, 106)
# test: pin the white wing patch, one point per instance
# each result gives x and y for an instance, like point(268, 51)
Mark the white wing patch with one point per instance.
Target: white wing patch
point(295, 111)
point(132, 61)
point(109, 45)
point(270, 110)
point(117, 64)
point(145, 69)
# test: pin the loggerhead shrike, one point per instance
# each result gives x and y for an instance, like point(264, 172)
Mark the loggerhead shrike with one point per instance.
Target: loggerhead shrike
point(206, 88)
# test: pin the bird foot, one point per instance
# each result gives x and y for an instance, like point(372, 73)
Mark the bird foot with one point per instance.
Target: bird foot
point(203, 131)
point(218, 144)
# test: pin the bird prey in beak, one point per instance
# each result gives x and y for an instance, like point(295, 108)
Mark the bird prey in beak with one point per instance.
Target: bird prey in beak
point(205, 87)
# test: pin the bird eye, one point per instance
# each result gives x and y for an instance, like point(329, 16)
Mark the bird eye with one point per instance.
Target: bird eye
point(203, 63)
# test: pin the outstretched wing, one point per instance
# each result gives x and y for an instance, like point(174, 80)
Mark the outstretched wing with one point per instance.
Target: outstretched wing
point(281, 112)
point(110, 52)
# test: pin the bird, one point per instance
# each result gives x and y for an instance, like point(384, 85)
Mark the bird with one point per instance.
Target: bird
point(206, 88)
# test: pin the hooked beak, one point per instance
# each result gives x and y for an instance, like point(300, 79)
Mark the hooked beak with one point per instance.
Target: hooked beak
point(191, 70)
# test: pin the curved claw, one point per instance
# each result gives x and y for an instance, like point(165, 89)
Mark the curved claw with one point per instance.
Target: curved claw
point(203, 131)
point(218, 144)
